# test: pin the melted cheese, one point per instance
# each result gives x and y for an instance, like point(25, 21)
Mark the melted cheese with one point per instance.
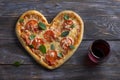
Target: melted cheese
point(56, 26)
point(73, 32)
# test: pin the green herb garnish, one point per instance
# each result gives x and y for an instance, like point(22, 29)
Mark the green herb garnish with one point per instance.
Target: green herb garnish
point(60, 55)
point(42, 26)
point(72, 26)
point(52, 47)
point(66, 17)
point(32, 36)
point(17, 63)
point(72, 46)
point(42, 48)
point(31, 46)
point(64, 34)
point(21, 20)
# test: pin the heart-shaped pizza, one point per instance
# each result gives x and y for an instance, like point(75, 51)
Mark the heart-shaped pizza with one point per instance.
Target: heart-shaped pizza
point(50, 44)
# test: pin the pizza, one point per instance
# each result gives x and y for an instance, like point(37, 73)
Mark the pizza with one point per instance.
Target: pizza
point(50, 44)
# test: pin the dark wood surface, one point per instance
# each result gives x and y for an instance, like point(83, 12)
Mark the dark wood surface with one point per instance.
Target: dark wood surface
point(102, 21)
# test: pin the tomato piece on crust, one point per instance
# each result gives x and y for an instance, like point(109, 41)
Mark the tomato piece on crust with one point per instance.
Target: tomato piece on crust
point(66, 42)
point(37, 42)
point(32, 25)
point(49, 35)
point(67, 22)
point(51, 57)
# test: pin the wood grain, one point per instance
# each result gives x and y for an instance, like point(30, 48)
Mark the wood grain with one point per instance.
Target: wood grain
point(102, 16)
point(12, 51)
point(104, 28)
point(102, 21)
point(67, 72)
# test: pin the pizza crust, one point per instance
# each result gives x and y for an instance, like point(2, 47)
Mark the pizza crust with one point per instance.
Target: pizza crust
point(37, 58)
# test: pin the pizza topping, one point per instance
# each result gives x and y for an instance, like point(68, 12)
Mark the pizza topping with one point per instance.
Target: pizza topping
point(37, 42)
point(32, 36)
point(60, 55)
point(42, 26)
point(51, 57)
point(25, 36)
point(66, 17)
point(67, 22)
point(32, 25)
point(21, 20)
point(42, 48)
point(49, 35)
point(68, 25)
point(72, 26)
point(64, 34)
point(52, 47)
point(72, 46)
point(66, 42)
point(57, 32)
point(31, 46)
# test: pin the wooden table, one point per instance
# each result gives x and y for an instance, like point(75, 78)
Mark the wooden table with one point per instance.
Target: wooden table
point(102, 21)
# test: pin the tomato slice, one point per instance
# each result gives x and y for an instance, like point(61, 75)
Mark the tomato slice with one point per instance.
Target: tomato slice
point(66, 42)
point(51, 57)
point(49, 35)
point(32, 25)
point(36, 42)
point(67, 22)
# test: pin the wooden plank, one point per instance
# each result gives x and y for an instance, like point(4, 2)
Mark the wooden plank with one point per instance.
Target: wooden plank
point(102, 16)
point(11, 51)
point(108, 30)
point(67, 72)
point(103, 7)
point(102, 20)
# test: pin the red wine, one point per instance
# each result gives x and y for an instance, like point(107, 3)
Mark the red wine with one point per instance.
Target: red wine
point(99, 50)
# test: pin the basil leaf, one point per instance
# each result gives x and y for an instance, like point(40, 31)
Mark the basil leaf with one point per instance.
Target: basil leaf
point(60, 55)
point(21, 20)
point(72, 26)
point(72, 46)
point(52, 47)
point(42, 48)
point(31, 46)
point(64, 34)
point(66, 17)
point(17, 63)
point(42, 26)
point(32, 36)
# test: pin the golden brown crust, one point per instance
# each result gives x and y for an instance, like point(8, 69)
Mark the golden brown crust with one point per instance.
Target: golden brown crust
point(37, 58)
